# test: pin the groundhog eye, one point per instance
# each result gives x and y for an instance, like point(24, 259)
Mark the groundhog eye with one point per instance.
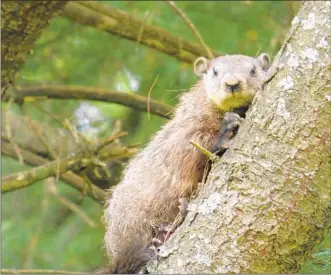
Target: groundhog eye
point(253, 71)
point(215, 72)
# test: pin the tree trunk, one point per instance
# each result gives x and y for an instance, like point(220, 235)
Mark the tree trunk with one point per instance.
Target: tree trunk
point(21, 25)
point(266, 203)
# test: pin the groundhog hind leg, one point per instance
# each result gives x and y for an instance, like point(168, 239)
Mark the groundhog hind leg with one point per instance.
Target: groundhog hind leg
point(164, 231)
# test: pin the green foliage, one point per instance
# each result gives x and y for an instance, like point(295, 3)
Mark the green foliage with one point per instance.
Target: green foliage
point(40, 232)
point(320, 263)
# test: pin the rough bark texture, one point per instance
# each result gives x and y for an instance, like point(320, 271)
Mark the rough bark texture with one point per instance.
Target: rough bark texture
point(21, 24)
point(267, 202)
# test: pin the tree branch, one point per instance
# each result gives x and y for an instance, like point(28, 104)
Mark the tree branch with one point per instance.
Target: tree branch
point(98, 94)
point(52, 188)
point(192, 27)
point(31, 141)
point(117, 22)
point(28, 177)
point(72, 179)
point(94, 156)
point(75, 163)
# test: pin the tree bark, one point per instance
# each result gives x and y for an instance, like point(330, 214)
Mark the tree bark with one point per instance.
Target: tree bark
point(21, 24)
point(266, 203)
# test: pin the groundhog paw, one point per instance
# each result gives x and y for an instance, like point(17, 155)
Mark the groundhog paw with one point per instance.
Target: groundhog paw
point(229, 128)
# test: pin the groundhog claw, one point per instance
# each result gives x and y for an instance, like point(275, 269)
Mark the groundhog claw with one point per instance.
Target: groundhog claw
point(229, 128)
point(156, 242)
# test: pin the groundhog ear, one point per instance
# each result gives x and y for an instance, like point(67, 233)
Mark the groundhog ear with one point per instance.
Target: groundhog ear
point(201, 66)
point(264, 61)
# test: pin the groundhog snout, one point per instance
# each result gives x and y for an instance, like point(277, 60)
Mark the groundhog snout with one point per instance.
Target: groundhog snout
point(233, 83)
point(233, 87)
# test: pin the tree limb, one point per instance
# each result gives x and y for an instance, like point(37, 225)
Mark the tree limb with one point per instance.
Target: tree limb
point(51, 187)
point(189, 23)
point(69, 177)
point(28, 177)
point(105, 95)
point(30, 140)
point(96, 155)
point(53, 136)
point(75, 163)
point(117, 22)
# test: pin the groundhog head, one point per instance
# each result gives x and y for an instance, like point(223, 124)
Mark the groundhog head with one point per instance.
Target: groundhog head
point(231, 81)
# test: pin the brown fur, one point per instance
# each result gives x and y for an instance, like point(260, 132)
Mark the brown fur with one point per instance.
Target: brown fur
point(168, 169)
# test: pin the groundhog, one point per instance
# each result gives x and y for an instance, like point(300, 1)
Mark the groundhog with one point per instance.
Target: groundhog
point(170, 167)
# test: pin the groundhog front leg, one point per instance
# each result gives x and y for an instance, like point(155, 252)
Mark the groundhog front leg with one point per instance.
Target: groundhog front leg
point(229, 128)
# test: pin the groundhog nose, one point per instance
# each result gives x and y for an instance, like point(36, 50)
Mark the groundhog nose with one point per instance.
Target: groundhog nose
point(233, 87)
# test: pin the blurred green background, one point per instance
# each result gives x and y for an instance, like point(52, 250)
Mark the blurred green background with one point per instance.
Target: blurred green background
point(38, 230)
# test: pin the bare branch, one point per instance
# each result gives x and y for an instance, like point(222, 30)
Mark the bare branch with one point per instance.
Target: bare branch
point(30, 251)
point(109, 140)
point(28, 177)
point(69, 177)
point(149, 97)
point(95, 156)
point(99, 94)
point(37, 130)
point(51, 184)
point(55, 136)
point(189, 23)
point(117, 22)
point(9, 131)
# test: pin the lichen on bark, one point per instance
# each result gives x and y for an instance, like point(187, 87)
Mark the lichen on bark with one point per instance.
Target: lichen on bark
point(21, 24)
